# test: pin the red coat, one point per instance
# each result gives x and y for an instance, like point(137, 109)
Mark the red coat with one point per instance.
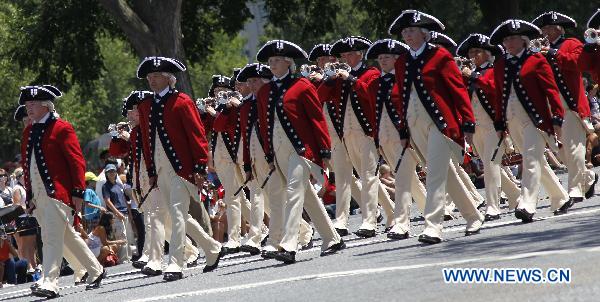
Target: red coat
point(481, 83)
point(228, 124)
point(443, 89)
point(538, 84)
point(64, 172)
point(331, 93)
point(180, 123)
point(207, 121)
point(589, 61)
point(302, 108)
point(570, 84)
point(133, 149)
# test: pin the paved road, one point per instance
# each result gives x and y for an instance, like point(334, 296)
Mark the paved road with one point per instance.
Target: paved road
point(377, 269)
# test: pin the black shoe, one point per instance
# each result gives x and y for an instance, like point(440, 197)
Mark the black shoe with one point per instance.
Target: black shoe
point(193, 263)
point(590, 192)
point(448, 217)
point(308, 246)
point(334, 248)
point(250, 249)
point(139, 264)
point(96, 283)
point(470, 233)
point(34, 286)
point(388, 229)
point(342, 232)
point(286, 257)
point(210, 268)
point(264, 241)
point(365, 233)
point(231, 250)
point(172, 276)
point(481, 205)
point(397, 236)
point(83, 280)
point(150, 272)
point(503, 200)
point(44, 293)
point(525, 216)
point(489, 217)
point(565, 207)
point(429, 240)
point(268, 254)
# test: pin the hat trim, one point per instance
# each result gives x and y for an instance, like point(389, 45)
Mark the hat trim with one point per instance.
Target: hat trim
point(557, 13)
point(275, 41)
point(591, 18)
point(412, 11)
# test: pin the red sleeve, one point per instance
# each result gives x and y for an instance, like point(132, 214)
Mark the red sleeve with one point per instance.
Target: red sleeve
point(589, 61)
point(194, 130)
point(459, 96)
point(549, 88)
point(225, 120)
point(314, 111)
point(118, 147)
point(326, 91)
point(568, 56)
point(486, 83)
point(72, 151)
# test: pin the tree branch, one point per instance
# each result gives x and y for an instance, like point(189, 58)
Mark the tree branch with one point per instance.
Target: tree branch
point(135, 29)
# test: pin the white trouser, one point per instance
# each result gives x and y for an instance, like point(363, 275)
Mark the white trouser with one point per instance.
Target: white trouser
point(299, 194)
point(178, 192)
point(259, 201)
point(441, 176)
point(530, 141)
point(573, 154)
point(466, 180)
point(231, 177)
point(58, 236)
point(495, 178)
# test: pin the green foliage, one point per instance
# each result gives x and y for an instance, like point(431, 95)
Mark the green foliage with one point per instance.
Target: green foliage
point(226, 54)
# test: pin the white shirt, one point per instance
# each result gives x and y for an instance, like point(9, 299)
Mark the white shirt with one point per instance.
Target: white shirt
point(358, 66)
point(519, 55)
point(283, 77)
point(43, 119)
point(383, 73)
point(416, 53)
point(162, 93)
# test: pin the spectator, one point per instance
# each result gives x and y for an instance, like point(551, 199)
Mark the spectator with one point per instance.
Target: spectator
point(92, 204)
point(100, 239)
point(5, 191)
point(114, 198)
point(387, 179)
point(27, 225)
point(11, 271)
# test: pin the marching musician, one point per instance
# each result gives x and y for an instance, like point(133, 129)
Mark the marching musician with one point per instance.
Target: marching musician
point(480, 82)
point(296, 143)
point(175, 154)
point(529, 107)
point(436, 115)
point(54, 179)
point(563, 54)
point(589, 60)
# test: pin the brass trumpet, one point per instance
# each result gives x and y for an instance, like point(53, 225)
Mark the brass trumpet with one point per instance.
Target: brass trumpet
point(223, 97)
point(463, 62)
point(332, 68)
point(306, 70)
point(592, 36)
point(536, 45)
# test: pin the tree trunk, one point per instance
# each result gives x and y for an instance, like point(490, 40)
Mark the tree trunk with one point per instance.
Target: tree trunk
point(154, 29)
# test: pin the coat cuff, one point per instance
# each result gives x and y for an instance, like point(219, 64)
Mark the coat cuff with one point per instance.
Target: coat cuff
point(247, 167)
point(77, 193)
point(325, 153)
point(200, 169)
point(468, 127)
point(500, 126)
point(557, 121)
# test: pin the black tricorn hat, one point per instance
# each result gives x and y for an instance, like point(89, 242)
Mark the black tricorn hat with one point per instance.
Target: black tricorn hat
point(513, 27)
point(219, 81)
point(20, 113)
point(254, 70)
point(38, 93)
point(320, 50)
point(386, 46)
point(441, 39)
point(159, 64)
point(134, 98)
point(281, 48)
point(352, 43)
point(594, 21)
point(477, 41)
point(233, 78)
point(414, 18)
point(554, 18)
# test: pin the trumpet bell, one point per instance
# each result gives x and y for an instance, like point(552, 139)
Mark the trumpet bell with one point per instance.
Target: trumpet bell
point(592, 36)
